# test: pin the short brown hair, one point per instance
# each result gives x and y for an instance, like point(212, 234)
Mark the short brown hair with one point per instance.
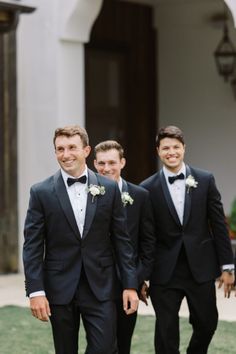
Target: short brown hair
point(170, 132)
point(109, 145)
point(72, 130)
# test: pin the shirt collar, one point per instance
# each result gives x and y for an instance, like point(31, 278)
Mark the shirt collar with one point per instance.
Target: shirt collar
point(65, 175)
point(168, 173)
point(120, 184)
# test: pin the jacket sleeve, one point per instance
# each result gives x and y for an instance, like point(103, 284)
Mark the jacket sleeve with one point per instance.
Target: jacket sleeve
point(146, 241)
point(217, 223)
point(33, 248)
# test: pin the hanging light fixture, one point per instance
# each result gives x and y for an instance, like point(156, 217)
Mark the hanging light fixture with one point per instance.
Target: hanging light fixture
point(225, 54)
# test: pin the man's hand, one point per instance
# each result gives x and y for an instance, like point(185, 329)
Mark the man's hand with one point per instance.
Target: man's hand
point(130, 301)
point(228, 280)
point(143, 294)
point(40, 308)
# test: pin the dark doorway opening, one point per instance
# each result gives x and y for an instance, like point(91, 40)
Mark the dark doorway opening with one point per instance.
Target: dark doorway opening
point(120, 84)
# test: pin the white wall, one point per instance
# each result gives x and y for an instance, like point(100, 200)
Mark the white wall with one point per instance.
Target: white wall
point(191, 93)
point(232, 6)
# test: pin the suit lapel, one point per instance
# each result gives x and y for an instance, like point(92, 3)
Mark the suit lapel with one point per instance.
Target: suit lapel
point(125, 188)
point(65, 202)
point(187, 203)
point(91, 204)
point(168, 198)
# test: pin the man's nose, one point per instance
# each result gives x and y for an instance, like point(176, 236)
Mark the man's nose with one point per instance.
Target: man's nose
point(106, 167)
point(172, 151)
point(66, 152)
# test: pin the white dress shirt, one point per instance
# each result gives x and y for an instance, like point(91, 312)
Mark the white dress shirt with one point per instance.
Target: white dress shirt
point(120, 184)
point(177, 190)
point(78, 194)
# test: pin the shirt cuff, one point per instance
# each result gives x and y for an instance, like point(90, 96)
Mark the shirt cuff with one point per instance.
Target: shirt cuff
point(228, 266)
point(37, 293)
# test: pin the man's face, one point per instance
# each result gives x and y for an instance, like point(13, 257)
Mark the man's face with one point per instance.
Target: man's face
point(108, 163)
point(71, 154)
point(171, 152)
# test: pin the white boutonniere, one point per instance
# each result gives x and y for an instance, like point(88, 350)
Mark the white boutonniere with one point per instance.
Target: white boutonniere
point(190, 183)
point(95, 190)
point(126, 198)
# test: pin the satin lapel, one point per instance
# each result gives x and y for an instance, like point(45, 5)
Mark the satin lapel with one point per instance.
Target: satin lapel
point(188, 197)
point(91, 204)
point(125, 188)
point(168, 198)
point(65, 202)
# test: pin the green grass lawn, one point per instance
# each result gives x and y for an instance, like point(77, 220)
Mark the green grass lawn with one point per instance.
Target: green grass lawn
point(20, 333)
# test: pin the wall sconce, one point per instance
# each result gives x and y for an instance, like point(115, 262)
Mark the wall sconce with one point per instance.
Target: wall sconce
point(225, 55)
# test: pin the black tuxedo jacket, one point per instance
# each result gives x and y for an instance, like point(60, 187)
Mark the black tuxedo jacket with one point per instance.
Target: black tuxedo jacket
point(54, 250)
point(203, 233)
point(140, 226)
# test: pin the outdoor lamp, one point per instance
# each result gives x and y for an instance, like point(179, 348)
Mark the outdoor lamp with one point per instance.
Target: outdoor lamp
point(225, 55)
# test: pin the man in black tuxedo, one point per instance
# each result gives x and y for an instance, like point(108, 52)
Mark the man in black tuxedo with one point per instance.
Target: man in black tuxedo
point(193, 247)
point(109, 161)
point(75, 232)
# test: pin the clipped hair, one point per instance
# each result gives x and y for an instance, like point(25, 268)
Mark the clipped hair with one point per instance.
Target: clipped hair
point(170, 131)
point(72, 130)
point(109, 145)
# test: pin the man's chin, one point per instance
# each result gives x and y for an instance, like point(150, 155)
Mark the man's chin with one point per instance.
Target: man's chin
point(174, 164)
point(113, 178)
point(70, 171)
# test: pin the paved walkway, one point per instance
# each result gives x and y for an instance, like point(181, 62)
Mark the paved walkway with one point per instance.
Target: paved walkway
point(12, 293)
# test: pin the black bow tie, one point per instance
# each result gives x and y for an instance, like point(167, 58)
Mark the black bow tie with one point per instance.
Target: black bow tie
point(81, 179)
point(171, 179)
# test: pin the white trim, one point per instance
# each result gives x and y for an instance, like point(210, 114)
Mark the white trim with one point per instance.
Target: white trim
point(77, 19)
point(232, 6)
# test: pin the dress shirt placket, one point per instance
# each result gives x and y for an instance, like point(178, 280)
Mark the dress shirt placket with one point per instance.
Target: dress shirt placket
point(78, 198)
point(178, 198)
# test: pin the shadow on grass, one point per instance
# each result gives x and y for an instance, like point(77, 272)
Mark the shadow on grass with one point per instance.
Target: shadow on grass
point(20, 333)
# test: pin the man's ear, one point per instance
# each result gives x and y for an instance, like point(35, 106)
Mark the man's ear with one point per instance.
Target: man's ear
point(123, 162)
point(157, 150)
point(87, 150)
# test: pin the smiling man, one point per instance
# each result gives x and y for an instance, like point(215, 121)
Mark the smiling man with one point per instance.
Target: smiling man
point(75, 234)
point(109, 161)
point(193, 247)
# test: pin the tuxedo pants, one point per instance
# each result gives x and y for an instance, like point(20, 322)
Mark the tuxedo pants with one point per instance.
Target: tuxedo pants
point(99, 320)
point(125, 328)
point(201, 300)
